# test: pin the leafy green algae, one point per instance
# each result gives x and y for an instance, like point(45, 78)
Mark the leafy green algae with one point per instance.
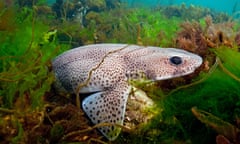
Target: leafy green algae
point(24, 60)
point(26, 56)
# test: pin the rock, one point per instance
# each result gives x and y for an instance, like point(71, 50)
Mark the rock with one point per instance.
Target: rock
point(96, 5)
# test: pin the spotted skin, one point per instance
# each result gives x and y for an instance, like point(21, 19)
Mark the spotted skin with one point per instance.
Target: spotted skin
point(108, 107)
point(109, 82)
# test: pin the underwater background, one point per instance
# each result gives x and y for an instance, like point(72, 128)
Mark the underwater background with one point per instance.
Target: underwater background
point(201, 108)
point(227, 6)
point(218, 5)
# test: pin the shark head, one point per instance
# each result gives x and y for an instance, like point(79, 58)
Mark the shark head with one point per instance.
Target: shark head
point(171, 63)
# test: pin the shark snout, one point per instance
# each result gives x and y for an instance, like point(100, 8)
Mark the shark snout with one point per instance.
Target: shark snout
point(198, 61)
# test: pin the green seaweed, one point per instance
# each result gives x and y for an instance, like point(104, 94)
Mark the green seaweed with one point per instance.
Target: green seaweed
point(25, 59)
point(154, 27)
point(29, 42)
point(20, 134)
point(230, 59)
point(218, 94)
point(56, 132)
point(142, 26)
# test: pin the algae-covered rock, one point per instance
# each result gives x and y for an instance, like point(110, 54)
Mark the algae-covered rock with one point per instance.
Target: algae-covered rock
point(96, 5)
point(92, 16)
point(138, 110)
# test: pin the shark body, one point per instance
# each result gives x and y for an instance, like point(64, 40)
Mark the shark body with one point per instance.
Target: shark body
point(111, 66)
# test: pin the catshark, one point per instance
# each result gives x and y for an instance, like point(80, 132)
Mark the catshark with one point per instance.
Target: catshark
point(106, 70)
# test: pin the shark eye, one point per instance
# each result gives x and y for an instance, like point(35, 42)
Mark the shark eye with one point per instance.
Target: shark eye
point(176, 60)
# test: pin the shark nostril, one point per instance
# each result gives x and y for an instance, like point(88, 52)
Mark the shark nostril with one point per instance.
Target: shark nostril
point(176, 60)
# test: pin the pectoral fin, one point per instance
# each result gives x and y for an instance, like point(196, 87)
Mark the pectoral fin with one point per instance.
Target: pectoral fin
point(108, 107)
